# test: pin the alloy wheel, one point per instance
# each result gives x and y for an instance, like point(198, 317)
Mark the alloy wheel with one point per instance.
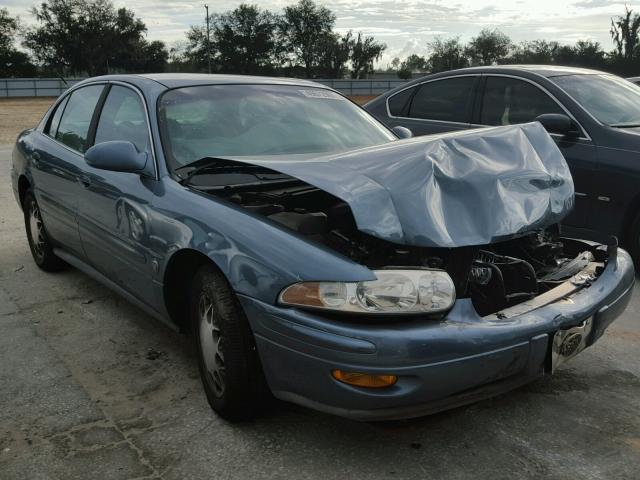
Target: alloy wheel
point(36, 229)
point(210, 344)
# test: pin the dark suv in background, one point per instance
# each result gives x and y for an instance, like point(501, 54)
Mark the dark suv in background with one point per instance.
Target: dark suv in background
point(594, 117)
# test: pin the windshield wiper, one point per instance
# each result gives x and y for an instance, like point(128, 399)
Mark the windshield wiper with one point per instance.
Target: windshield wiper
point(215, 163)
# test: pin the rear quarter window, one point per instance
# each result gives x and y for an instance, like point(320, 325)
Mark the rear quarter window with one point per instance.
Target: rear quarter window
point(398, 103)
point(52, 128)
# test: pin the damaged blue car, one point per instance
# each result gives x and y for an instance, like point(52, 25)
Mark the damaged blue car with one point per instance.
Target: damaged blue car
point(314, 254)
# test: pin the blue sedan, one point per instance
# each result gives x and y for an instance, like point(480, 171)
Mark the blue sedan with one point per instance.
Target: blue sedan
point(312, 253)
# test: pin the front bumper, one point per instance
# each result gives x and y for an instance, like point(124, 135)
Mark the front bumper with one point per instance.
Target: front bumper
point(440, 364)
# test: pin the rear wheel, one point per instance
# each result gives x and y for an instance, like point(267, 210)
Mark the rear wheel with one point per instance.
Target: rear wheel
point(39, 241)
point(227, 357)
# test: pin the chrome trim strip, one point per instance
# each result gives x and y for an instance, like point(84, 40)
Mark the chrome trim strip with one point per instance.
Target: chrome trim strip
point(422, 83)
point(585, 136)
point(580, 194)
point(108, 82)
point(563, 291)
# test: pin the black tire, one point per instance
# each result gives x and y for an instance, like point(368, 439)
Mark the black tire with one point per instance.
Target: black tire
point(634, 242)
point(39, 242)
point(229, 365)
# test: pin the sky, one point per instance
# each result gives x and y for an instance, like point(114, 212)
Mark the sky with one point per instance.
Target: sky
point(407, 26)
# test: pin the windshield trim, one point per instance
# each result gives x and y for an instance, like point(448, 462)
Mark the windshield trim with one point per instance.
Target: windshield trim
point(165, 142)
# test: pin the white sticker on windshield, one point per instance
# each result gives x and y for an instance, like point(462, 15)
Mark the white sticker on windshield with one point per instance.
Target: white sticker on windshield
point(319, 93)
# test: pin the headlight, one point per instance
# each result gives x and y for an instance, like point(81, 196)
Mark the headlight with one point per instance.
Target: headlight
point(394, 291)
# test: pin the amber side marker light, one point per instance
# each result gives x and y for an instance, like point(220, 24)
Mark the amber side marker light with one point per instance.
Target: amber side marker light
point(366, 380)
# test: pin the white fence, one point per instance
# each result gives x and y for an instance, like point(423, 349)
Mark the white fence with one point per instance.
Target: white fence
point(361, 87)
point(35, 87)
point(53, 87)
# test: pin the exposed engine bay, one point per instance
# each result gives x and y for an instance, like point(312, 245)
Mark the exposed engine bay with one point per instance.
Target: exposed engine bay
point(494, 276)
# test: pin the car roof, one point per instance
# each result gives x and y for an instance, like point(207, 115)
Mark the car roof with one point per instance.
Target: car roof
point(174, 80)
point(544, 70)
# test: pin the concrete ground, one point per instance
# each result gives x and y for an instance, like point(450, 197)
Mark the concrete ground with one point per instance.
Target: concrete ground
point(90, 387)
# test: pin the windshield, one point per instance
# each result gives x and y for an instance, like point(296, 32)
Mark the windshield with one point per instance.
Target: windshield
point(612, 100)
point(256, 120)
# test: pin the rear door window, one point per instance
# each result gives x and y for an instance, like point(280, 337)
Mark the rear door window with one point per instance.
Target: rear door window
point(508, 101)
point(73, 130)
point(448, 100)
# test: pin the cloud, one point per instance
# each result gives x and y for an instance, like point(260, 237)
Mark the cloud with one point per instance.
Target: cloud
point(597, 3)
point(406, 27)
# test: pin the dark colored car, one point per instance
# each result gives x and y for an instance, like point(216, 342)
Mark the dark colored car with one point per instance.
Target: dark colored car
point(594, 118)
point(313, 255)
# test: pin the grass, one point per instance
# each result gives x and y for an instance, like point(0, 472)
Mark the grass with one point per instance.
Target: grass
point(17, 114)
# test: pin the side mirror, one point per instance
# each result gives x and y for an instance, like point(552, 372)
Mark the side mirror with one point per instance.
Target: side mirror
point(402, 132)
point(116, 156)
point(558, 123)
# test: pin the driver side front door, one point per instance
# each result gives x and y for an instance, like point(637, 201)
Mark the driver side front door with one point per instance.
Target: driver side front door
point(507, 100)
point(113, 213)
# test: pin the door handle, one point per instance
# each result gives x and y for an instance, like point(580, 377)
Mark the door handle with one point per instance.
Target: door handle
point(35, 158)
point(85, 181)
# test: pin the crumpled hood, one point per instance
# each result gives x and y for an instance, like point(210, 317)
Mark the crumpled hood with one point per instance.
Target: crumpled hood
point(464, 188)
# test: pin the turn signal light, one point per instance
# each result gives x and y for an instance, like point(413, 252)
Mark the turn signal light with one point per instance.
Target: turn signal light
point(366, 380)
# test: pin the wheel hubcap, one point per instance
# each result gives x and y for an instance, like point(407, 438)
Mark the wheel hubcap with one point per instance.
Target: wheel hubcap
point(210, 343)
point(37, 230)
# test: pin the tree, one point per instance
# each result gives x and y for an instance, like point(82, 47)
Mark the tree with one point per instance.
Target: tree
point(303, 29)
point(90, 37)
point(404, 73)
point(447, 54)
point(589, 53)
point(245, 40)
point(148, 57)
point(412, 64)
point(537, 51)
point(8, 30)
point(364, 51)
point(584, 53)
point(337, 51)
point(415, 63)
point(624, 32)
point(489, 47)
point(13, 63)
point(196, 51)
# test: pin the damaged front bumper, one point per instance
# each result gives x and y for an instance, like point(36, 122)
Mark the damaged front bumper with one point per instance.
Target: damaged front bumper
point(440, 364)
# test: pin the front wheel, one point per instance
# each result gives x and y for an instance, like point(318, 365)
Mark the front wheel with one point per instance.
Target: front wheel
point(634, 241)
point(227, 357)
point(39, 242)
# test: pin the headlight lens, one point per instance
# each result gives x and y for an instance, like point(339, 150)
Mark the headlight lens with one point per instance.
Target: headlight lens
point(394, 291)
